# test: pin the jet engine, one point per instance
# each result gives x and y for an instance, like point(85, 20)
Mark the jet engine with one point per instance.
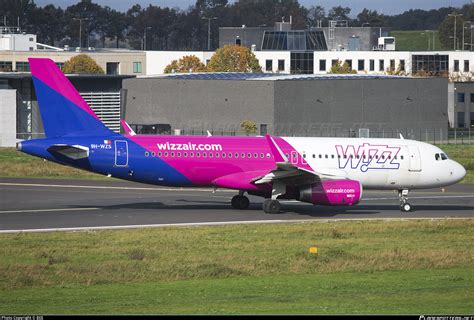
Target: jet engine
point(332, 193)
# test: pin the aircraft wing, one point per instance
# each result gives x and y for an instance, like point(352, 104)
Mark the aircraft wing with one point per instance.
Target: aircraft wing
point(293, 174)
point(74, 152)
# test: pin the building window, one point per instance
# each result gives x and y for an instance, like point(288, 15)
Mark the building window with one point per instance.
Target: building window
point(392, 65)
point(322, 65)
point(6, 66)
point(281, 65)
point(112, 67)
point(372, 64)
point(402, 65)
point(434, 63)
point(381, 65)
point(460, 96)
point(456, 65)
point(137, 67)
point(466, 65)
point(460, 119)
point(31, 39)
point(22, 67)
point(302, 62)
point(238, 41)
point(60, 65)
point(269, 65)
point(360, 65)
point(472, 97)
point(349, 63)
point(334, 62)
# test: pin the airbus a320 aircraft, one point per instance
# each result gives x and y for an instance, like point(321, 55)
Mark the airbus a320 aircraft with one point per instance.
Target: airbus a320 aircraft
point(321, 171)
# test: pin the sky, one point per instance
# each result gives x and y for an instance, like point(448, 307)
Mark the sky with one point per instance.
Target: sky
point(389, 7)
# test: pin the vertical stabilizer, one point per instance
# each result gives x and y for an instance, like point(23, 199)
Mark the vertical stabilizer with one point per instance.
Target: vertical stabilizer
point(63, 110)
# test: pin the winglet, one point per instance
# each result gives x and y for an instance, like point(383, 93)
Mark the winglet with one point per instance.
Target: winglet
point(126, 128)
point(401, 137)
point(276, 151)
point(208, 133)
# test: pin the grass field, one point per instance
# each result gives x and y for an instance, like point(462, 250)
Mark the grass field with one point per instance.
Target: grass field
point(415, 40)
point(416, 267)
point(18, 164)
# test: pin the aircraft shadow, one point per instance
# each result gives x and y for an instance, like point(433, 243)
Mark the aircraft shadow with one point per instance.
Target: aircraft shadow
point(287, 209)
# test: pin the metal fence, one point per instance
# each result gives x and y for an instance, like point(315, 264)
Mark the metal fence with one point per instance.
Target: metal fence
point(433, 136)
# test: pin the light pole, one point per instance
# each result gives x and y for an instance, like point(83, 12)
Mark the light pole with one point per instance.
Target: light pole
point(463, 27)
point(80, 29)
point(454, 15)
point(144, 38)
point(427, 37)
point(209, 31)
point(433, 40)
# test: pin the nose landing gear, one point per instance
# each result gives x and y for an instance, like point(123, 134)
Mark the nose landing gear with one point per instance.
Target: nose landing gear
point(403, 196)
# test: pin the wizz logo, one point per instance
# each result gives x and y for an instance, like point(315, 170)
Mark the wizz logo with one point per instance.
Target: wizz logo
point(368, 156)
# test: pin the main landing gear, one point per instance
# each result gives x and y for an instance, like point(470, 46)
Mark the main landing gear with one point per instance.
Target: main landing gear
point(272, 205)
point(240, 201)
point(403, 196)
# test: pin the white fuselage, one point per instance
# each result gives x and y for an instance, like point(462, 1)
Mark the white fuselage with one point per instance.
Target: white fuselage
point(380, 163)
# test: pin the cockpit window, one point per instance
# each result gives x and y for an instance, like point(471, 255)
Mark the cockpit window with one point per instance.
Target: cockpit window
point(444, 156)
point(437, 156)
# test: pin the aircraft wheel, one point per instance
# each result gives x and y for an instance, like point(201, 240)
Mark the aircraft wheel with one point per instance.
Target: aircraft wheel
point(240, 202)
point(406, 207)
point(271, 206)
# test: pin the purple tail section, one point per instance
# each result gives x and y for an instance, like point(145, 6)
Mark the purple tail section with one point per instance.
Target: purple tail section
point(63, 110)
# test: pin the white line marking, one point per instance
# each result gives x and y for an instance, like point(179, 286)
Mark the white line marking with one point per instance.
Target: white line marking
point(437, 197)
point(109, 187)
point(223, 223)
point(48, 210)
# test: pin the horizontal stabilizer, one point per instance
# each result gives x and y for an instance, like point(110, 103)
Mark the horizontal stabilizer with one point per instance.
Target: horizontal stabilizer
point(74, 152)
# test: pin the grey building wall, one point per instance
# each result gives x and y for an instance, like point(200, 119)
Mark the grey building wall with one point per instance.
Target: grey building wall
point(368, 37)
point(247, 35)
point(7, 118)
point(413, 106)
point(463, 111)
point(218, 105)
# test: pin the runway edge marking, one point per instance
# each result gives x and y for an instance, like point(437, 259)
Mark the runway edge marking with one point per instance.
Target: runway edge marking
point(223, 223)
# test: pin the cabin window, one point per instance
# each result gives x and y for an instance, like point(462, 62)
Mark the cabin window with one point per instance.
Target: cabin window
point(304, 155)
point(320, 156)
point(357, 156)
point(223, 154)
point(185, 154)
point(351, 156)
point(345, 156)
point(401, 157)
point(332, 156)
point(268, 155)
point(255, 155)
point(242, 155)
point(262, 155)
point(326, 156)
point(172, 154)
point(179, 154)
point(147, 154)
point(236, 154)
point(166, 154)
point(204, 154)
point(217, 154)
point(210, 155)
point(198, 154)
point(249, 155)
point(153, 154)
point(230, 154)
point(314, 156)
point(191, 154)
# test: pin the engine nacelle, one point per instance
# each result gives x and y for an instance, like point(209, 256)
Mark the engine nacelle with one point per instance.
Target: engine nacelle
point(332, 193)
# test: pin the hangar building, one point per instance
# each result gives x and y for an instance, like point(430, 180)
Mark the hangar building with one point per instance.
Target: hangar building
point(292, 105)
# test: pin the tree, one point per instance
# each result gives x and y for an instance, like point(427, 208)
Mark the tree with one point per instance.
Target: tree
point(339, 13)
point(340, 68)
point(82, 63)
point(249, 127)
point(372, 17)
point(315, 14)
point(234, 58)
point(186, 64)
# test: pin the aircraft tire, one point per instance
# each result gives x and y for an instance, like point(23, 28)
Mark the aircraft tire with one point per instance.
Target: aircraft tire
point(406, 207)
point(271, 206)
point(240, 202)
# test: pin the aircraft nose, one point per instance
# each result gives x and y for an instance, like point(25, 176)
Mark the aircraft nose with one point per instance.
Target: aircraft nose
point(458, 172)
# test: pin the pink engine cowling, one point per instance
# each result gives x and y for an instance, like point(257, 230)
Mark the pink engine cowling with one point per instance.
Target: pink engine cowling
point(332, 193)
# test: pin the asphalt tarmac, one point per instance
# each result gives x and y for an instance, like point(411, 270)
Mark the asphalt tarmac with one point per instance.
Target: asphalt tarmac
point(48, 205)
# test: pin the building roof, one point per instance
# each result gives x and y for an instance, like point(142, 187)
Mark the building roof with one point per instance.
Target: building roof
point(22, 75)
point(266, 76)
